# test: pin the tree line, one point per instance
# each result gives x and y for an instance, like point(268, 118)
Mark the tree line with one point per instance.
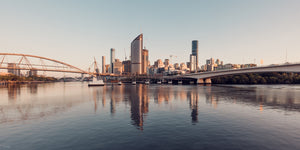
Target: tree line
point(259, 78)
point(30, 78)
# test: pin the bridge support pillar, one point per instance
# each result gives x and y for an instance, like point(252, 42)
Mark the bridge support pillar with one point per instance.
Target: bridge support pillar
point(207, 81)
point(200, 81)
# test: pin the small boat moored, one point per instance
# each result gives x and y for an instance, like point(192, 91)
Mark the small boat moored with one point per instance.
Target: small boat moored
point(158, 82)
point(119, 83)
point(133, 83)
point(147, 82)
point(179, 82)
point(170, 82)
point(96, 82)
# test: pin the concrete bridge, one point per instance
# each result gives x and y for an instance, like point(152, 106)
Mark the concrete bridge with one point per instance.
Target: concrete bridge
point(205, 77)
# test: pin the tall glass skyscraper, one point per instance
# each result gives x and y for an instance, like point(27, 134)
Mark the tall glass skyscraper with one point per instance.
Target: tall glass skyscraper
point(145, 60)
point(112, 60)
point(136, 55)
point(103, 64)
point(195, 51)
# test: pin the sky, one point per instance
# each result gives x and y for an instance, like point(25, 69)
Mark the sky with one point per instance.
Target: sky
point(76, 31)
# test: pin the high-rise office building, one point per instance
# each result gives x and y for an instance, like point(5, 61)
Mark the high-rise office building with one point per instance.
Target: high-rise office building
point(118, 67)
point(103, 64)
point(126, 67)
point(145, 60)
point(167, 62)
point(218, 61)
point(159, 63)
point(192, 63)
point(32, 73)
point(136, 55)
point(176, 66)
point(112, 60)
point(195, 51)
point(13, 69)
point(107, 68)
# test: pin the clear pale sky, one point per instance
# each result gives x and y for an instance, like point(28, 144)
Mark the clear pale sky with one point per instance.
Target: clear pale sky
point(75, 31)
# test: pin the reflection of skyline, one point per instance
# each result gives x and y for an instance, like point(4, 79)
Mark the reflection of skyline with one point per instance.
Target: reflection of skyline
point(33, 88)
point(193, 99)
point(22, 103)
point(139, 105)
point(34, 101)
point(139, 97)
point(259, 96)
point(13, 91)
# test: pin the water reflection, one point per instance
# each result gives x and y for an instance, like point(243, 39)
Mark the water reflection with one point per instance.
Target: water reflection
point(33, 88)
point(139, 103)
point(13, 91)
point(26, 102)
point(193, 99)
point(278, 97)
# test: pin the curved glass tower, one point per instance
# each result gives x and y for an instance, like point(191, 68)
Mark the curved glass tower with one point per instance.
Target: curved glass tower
point(136, 55)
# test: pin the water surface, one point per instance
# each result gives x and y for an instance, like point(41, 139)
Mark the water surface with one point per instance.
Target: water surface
point(75, 116)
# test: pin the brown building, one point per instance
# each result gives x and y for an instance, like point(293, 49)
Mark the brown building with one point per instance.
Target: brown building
point(167, 62)
point(13, 69)
point(158, 63)
point(118, 67)
point(32, 73)
point(107, 68)
point(145, 60)
point(126, 67)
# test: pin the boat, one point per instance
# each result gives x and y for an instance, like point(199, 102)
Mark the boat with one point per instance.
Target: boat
point(119, 83)
point(192, 82)
point(96, 82)
point(179, 82)
point(170, 82)
point(158, 82)
point(147, 82)
point(133, 83)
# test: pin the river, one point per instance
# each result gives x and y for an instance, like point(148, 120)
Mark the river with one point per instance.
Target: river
point(74, 116)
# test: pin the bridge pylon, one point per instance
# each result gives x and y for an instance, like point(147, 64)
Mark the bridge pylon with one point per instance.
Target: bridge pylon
point(200, 81)
point(208, 81)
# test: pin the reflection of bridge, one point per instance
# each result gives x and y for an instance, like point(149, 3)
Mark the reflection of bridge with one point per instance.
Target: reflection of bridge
point(205, 77)
point(38, 63)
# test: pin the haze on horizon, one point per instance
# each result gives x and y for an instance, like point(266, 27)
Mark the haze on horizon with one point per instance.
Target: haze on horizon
point(77, 31)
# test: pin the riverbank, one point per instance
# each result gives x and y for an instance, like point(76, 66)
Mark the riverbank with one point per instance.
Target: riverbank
point(13, 79)
point(22, 82)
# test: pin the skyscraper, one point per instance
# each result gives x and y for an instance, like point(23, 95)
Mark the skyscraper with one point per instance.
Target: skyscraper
point(13, 69)
point(195, 51)
point(112, 60)
point(145, 60)
point(192, 63)
point(103, 64)
point(136, 55)
point(126, 67)
point(167, 62)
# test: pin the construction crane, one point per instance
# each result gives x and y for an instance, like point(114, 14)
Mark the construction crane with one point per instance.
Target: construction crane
point(125, 54)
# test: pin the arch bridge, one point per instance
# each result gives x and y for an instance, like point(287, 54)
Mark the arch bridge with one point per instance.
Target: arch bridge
point(15, 62)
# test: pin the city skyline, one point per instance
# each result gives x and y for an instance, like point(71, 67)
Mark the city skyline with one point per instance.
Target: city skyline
point(233, 31)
